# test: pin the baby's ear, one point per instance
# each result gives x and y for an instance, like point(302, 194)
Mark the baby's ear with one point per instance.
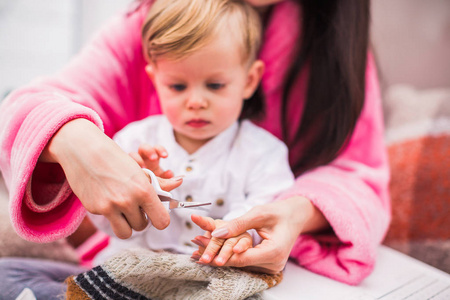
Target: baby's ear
point(150, 70)
point(254, 76)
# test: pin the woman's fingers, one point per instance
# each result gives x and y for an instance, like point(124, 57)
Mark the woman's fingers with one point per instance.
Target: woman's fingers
point(274, 222)
point(217, 251)
point(135, 217)
point(166, 174)
point(107, 180)
point(265, 257)
point(227, 255)
point(152, 205)
point(168, 184)
point(119, 225)
point(137, 158)
point(254, 219)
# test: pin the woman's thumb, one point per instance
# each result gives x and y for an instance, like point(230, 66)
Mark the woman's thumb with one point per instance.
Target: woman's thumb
point(168, 184)
point(234, 227)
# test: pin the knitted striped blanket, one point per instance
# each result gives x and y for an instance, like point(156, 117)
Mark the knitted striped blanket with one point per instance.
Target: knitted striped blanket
point(144, 274)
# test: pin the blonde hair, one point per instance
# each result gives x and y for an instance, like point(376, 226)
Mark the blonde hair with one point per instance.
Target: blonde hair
point(177, 28)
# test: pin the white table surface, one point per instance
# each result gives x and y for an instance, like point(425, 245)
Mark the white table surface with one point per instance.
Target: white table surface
point(396, 276)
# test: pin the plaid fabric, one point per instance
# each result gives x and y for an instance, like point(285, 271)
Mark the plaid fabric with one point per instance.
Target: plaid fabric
point(418, 140)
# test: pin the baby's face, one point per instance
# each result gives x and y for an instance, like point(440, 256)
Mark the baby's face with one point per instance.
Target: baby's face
point(203, 93)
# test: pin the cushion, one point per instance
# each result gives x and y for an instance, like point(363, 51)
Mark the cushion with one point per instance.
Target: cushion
point(13, 245)
point(418, 141)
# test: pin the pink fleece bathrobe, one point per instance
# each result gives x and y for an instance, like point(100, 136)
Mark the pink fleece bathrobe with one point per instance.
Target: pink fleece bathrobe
point(106, 84)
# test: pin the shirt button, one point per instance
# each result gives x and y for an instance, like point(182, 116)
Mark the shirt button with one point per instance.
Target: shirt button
point(188, 169)
point(220, 202)
point(188, 225)
point(188, 198)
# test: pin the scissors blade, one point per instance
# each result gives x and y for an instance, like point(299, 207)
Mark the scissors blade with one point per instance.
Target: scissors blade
point(194, 204)
point(179, 204)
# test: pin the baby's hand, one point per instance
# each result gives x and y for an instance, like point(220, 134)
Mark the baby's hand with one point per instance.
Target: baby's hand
point(216, 251)
point(148, 157)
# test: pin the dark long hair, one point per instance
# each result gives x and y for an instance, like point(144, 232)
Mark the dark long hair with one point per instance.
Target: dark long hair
point(334, 44)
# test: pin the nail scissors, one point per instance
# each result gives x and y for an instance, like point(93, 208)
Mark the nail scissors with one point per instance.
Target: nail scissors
point(166, 197)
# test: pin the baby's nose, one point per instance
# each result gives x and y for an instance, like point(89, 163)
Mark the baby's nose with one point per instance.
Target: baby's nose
point(197, 101)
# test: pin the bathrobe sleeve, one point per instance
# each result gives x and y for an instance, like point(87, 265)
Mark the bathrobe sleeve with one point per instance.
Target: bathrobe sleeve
point(106, 84)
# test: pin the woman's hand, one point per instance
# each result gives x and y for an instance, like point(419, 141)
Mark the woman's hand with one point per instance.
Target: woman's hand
point(220, 250)
point(279, 224)
point(106, 179)
point(149, 156)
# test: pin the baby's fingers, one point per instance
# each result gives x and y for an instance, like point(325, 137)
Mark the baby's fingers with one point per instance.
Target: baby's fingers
point(226, 252)
point(150, 156)
point(231, 246)
point(201, 245)
point(243, 245)
point(205, 223)
point(214, 246)
point(196, 255)
point(161, 151)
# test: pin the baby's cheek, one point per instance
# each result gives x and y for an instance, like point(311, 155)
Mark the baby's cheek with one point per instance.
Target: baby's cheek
point(173, 115)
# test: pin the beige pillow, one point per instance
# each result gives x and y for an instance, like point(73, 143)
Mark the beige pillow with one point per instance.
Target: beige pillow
point(13, 245)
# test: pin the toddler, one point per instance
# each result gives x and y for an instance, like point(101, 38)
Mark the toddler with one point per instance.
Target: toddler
point(201, 58)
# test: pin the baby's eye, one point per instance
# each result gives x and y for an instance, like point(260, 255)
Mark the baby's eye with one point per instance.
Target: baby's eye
point(215, 86)
point(177, 87)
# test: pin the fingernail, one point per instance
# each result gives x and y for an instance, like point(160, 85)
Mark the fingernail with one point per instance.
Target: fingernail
point(195, 257)
point(220, 260)
point(178, 178)
point(153, 157)
point(198, 243)
point(220, 232)
point(206, 258)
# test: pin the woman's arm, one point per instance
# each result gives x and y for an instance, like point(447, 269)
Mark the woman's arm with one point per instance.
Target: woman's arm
point(352, 193)
point(106, 180)
point(106, 85)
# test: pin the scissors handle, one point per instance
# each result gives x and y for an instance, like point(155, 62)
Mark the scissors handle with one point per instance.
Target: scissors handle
point(159, 192)
point(155, 184)
point(166, 198)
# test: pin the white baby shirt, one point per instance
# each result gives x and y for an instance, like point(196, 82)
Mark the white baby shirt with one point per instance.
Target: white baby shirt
point(242, 167)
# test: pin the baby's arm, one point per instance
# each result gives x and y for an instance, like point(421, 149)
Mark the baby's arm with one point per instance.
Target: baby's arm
point(219, 250)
